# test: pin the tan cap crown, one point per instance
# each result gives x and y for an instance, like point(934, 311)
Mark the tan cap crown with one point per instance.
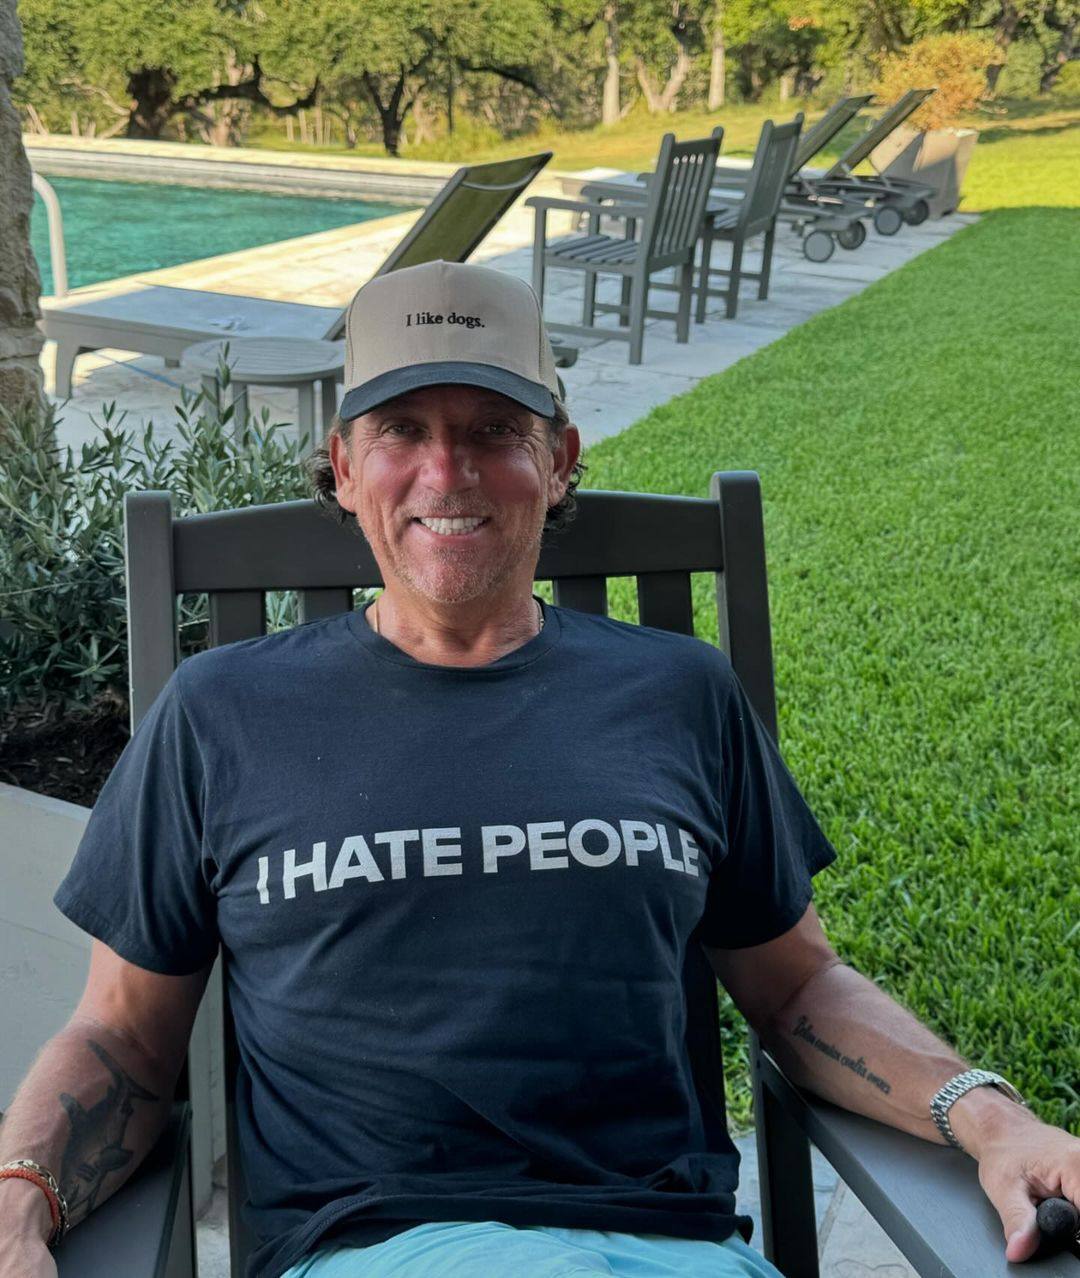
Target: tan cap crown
point(446, 323)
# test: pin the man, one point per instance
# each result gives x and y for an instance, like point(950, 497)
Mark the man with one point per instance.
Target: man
point(456, 847)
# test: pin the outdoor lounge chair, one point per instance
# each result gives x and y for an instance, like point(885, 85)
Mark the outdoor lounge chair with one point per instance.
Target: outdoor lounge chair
point(670, 217)
point(894, 201)
point(157, 320)
point(926, 1197)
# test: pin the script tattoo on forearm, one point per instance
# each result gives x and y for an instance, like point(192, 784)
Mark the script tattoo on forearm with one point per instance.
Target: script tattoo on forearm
point(805, 1030)
point(96, 1144)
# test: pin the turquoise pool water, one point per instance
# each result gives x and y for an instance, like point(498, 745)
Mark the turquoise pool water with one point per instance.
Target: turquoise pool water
point(118, 228)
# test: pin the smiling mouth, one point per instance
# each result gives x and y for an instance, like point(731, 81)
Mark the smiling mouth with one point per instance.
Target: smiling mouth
point(456, 529)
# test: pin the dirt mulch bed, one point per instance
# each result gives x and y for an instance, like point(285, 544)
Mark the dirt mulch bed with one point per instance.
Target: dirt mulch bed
point(64, 754)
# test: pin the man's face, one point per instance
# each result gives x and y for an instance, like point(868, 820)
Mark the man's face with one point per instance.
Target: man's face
point(447, 451)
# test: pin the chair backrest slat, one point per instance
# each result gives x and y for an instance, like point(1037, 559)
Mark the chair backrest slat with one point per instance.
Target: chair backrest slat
point(315, 604)
point(236, 615)
point(585, 594)
point(237, 556)
point(459, 217)
point(665, 602)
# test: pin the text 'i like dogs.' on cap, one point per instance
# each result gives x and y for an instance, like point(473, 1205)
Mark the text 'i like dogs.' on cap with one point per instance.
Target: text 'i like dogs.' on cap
point(447, 323)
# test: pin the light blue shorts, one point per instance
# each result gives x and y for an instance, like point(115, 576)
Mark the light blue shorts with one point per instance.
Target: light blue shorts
point(491, 1249)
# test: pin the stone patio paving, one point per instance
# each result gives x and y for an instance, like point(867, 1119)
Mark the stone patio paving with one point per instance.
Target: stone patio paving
point(605, 395)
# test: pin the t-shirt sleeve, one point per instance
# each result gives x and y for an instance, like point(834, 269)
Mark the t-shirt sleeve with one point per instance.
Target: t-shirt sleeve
point(761, 888)
point(141, 877)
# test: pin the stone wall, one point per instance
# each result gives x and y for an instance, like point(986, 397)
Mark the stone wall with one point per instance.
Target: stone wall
point(20, 281)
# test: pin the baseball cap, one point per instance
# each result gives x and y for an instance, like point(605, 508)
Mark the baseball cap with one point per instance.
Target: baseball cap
point(445, 323)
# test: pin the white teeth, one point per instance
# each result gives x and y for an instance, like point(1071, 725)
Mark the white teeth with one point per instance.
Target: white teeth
point(451, 525)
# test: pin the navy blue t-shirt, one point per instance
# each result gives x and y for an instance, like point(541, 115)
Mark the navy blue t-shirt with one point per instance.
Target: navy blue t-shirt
point(455, 904)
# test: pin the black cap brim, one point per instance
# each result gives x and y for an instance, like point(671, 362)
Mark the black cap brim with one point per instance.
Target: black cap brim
point(535, 396)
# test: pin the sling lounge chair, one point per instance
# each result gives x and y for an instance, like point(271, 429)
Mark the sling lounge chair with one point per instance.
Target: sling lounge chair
point(894, 201)
point(926, 1197)
point(158, 320)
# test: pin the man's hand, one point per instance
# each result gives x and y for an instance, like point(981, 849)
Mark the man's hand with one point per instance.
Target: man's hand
point(24, 1255)
point(1019, 1165)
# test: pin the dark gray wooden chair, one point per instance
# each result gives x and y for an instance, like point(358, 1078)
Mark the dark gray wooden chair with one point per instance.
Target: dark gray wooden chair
point(926, 1197)
point(670, 218)
point(755, 214)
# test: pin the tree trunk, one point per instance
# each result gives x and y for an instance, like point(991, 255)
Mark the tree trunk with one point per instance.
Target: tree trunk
point(717, 61)
point(1064, 53)
point(391, 113)
point(610, 111)
point(665, 100)
point(787, 86)
point(151, 89)
point(20, 340)
point(1004, 35)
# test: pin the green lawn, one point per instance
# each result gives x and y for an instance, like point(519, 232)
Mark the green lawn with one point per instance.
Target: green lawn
point(919, 454)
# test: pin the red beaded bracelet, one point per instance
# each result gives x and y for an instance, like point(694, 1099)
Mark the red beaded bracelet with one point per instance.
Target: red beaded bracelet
point(26, 1170)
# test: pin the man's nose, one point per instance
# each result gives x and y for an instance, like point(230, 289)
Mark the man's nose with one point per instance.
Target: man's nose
point(448, 464)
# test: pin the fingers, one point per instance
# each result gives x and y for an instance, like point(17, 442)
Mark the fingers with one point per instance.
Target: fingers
point(1017, 1212)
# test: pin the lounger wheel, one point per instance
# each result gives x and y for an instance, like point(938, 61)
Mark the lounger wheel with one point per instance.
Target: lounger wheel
point(917, 214)
point(818, 246)
point(851, 236)
point(887, 220)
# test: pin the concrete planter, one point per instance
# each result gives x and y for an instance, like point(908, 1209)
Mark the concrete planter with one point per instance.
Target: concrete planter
point(938, 157)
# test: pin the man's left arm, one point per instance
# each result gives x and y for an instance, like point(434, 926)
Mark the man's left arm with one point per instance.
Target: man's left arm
point(837, 1034)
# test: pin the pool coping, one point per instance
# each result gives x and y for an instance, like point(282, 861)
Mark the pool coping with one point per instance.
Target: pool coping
point(239, 168)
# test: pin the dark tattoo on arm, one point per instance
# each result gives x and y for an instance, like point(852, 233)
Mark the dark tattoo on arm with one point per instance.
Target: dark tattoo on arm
point(805, 1030)
point(96, 1144)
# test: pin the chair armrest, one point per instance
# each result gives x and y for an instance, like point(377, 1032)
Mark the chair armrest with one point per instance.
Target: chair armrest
point(583, 206)
point(614, 191)
point(145, 1229)
point(926, 1197)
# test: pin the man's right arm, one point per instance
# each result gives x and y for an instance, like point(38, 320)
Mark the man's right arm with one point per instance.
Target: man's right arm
point(98, 1095)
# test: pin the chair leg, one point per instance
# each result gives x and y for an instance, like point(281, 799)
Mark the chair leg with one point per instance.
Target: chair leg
point(639, 300)
point(539, 233)
point(686, 288)
point(66, 355)
point(327, 404)
point(788, 1221)
point(766, 262)
point(588, 302)
point(305, 417)
point(624, 300)
point(734, 277)
point(703, 275)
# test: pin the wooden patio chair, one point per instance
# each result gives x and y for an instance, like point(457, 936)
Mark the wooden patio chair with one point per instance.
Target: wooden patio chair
point(926, 1197)
point(670, 219)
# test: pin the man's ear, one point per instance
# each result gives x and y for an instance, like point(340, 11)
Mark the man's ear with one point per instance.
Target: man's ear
point(565, 457)
point(341, 463)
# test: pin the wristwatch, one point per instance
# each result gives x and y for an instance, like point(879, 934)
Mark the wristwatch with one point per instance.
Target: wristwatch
point(960, 1084)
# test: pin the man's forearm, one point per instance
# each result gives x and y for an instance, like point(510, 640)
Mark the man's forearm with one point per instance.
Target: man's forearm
point(843, 1038)
point(90, 1109)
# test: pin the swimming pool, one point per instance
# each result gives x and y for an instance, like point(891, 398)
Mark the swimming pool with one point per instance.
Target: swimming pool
point(119, 228)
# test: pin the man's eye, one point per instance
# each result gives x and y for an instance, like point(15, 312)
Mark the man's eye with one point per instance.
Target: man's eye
point(500, 426)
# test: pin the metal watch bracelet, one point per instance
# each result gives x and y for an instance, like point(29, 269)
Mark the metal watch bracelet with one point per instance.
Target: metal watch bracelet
point(959, 1085)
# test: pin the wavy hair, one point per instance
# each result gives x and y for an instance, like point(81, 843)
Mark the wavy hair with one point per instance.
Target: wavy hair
point(321, 473)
